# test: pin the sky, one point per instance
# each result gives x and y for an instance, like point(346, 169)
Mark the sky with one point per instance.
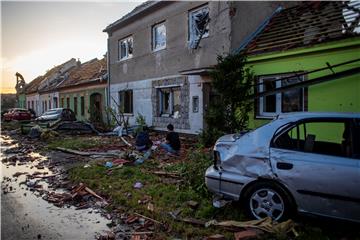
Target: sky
point(36, 36)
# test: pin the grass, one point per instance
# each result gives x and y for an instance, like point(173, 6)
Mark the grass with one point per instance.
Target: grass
point(76, 143)
point(168, 197)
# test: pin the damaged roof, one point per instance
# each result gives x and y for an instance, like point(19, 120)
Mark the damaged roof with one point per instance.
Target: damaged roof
point(92, 71)
point(307, 24)
point(136, 12)
point(40, 83)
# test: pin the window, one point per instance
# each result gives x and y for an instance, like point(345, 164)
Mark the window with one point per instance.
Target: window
point(75, 105)
point(170, 102)
point(288, 101)
point(126, 101)
point(32, 105)
point(330, 137)
point(45, 102)
point(195, 104)
point(55, 100)
point(198, 25)
point(125, 48)
point(49, 104)
point(68, 102)
point(28, 104)
point(62, 102)
point(159, 37)
point(82, 105)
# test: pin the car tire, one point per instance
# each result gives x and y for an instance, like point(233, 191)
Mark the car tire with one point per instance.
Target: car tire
point(268, 199)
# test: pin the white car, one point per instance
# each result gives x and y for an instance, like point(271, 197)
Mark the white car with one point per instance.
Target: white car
point(57, 113)
point(299, 162)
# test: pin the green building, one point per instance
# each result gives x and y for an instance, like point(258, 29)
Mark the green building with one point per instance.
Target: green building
point(306, 58)
point(84, 91)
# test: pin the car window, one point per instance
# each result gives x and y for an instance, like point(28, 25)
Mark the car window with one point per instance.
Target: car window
point(322, 137)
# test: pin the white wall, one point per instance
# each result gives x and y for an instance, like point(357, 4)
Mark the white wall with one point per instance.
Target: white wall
point(142, 104)
point(141, 99)
point(35, 98)
point(196, 119)
point(46, 97)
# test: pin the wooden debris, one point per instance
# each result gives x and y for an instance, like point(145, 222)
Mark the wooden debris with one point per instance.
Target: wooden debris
point(194, 221)
point(153, 220)
point(126, 142)
point(167, 174)
point(216, 237)
point(247, 234)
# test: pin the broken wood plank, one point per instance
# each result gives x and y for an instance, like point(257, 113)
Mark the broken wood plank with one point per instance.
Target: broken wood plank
point(126, 142)
point(193, 221)
point(93, 193)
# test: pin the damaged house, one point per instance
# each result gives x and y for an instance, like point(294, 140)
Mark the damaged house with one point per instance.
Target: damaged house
point(41, 93)
point(84, 90)
point(307, 59)
point(160, 55)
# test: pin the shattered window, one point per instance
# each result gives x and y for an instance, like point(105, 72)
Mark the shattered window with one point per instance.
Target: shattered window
point(126, 101)
point(288, 101)
point(159, 36)
point(170, 102)
point(125, 48)
point(198, 25)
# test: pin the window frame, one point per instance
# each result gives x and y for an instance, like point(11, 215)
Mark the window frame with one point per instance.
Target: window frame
point(123, 103)
point(82, 105)
point(260, 113)
point(287, 127)
point(153, 37)
point(160, 100)
point(190, 19)
point(127, 55)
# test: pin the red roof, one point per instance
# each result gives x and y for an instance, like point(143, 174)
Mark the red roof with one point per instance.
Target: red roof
point(307, 24)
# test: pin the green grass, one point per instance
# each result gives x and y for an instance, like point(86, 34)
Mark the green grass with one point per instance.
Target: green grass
point(75, 143)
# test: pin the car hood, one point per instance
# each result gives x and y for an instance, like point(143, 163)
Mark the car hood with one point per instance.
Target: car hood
point(49, 117)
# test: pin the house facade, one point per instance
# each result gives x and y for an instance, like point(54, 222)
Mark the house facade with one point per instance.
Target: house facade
point(160, 54)
point(84, 91)
point(315, 68)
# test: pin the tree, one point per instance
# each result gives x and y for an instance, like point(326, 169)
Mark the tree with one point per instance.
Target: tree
point(233, 82)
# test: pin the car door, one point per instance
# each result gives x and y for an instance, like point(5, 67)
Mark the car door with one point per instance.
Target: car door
point(317, 160)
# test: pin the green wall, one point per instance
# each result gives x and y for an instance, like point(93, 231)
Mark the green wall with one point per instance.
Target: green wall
point(22, 100)
point(342, 95)
point(86, 94)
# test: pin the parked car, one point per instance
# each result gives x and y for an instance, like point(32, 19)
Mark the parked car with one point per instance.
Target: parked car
point(65, 114)
point(299, 162)
point(17, 114)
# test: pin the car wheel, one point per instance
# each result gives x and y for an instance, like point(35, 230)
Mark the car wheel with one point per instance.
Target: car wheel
point(267, 199)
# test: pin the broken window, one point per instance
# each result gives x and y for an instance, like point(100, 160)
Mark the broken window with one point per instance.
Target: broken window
point(126, 101)
point(125, 48)
point(288, 101)
point(170, 102)
point(82, 105)
point(159, 37)
point(198, 25)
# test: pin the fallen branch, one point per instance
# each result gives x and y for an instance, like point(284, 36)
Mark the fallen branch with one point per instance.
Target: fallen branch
point(82, 153)
point(93, 193)
point(153, 220)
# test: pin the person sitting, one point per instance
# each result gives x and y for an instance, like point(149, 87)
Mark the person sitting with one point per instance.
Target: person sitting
point(172, 144)
point(143, 142)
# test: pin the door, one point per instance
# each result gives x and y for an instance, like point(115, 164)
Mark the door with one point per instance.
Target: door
point(317, 161)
